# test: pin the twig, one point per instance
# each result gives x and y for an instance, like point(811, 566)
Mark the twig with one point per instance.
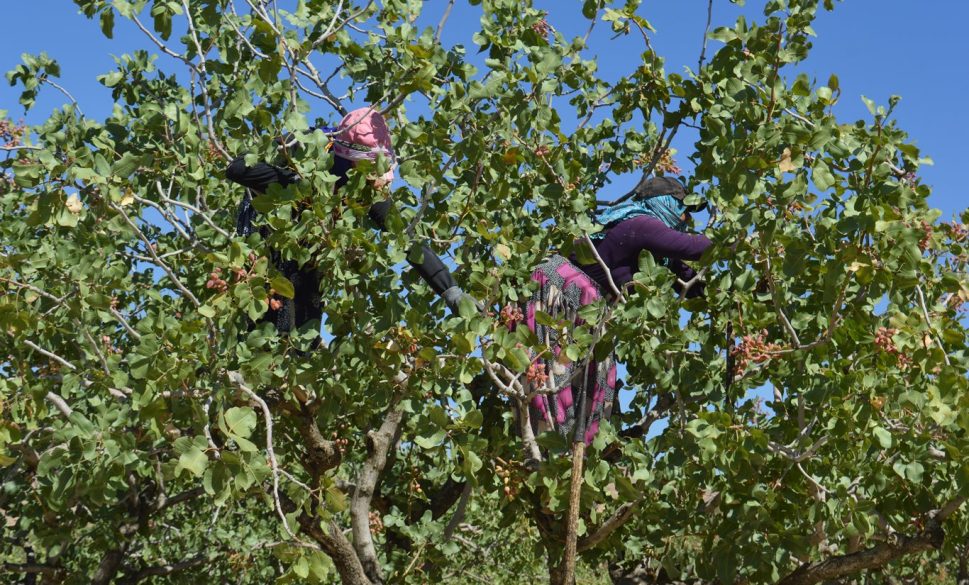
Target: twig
point(97, 351)
point(158, 43)
point(169, 216)
point(33, 288)
point(194, 210)
point(51, 355)
point(237, 379)
point(459, 512)
point(819, 489)
point(609, 526)
point(706, 32)
point(605, 268)
point(151, 250)
point(775, 298)
point(592, 25)
point(65, 92)
point(329, 27)
point(207, 430)
point(124, 324)
point(59, 403)
point(440, 25)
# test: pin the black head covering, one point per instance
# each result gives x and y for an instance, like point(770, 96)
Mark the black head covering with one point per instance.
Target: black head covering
point(665, 186)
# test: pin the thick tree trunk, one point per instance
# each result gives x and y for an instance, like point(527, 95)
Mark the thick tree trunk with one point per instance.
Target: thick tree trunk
point(339, 549)
point(109, 567)
point(379, 444)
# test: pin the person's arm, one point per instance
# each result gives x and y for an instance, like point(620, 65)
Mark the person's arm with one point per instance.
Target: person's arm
point(259, 176)
point(430, 267)
point(648, 233)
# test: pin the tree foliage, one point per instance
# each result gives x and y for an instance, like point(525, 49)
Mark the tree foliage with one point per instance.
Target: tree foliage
point(152, 427)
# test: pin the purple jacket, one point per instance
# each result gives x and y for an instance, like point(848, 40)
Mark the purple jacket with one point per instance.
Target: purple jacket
point(623, 242)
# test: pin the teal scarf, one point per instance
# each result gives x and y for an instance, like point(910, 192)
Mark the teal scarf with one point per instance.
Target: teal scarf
point(666, 208)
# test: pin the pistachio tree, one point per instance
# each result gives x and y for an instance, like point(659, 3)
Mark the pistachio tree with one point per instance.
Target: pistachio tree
point(154, 426)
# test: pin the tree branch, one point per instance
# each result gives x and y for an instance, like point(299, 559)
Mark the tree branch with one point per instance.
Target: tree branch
point(877, 556)
point(611, 524)
point(154, 255)
point(379, 443)
point(237, 379)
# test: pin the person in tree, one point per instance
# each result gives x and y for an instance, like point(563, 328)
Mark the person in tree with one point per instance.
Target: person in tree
point(653, 221)
point(361, 135)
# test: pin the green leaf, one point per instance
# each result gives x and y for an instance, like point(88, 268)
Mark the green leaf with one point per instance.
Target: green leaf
point(282, 286)
point(821, 175)
point(239, 422)
point(127, 165)
point(884, 437)
point(194, 460)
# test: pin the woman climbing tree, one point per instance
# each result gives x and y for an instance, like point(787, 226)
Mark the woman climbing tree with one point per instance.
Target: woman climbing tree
point(572, 397)
point(362, 135)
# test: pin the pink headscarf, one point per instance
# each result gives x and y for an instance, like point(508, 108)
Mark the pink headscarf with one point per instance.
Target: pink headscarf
point(362, 135)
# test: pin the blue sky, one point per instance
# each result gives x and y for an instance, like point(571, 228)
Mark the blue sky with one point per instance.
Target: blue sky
point(876, 47)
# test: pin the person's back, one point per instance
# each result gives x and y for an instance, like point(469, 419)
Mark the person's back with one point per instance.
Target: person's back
point(654, 221)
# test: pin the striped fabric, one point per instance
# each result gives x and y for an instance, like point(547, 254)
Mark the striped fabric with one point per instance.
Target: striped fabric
point(564, 289)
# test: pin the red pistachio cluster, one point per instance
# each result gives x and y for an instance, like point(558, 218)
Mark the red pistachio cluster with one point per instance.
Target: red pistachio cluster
point(510, 478)
point(511, 315)
point(376, 522)
point(667, 165)
point(753, 348)
point(216, 282)
point(212, 153)
point(926, 240)
point(11, 134)
point(108, 346)
point(884, 342)
point(536, 374)
point(341, 444)
point(541, 28)
point(415, 487)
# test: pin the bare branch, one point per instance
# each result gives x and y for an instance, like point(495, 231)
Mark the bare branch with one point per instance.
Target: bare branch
point(611, 524)
point(169, 568)
point(29, 568)
point(124, 323)
point(440, 25)
point(151, 250)
point(879, 555)
point(237, 379)
point(49, 354)
point(158, 43)
point(458, 515)
point(706, 33)
point(605, 268)
point(329, 28)
point(60, 404)
point(65, 92)
point(776, 299)
point(194, 210)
